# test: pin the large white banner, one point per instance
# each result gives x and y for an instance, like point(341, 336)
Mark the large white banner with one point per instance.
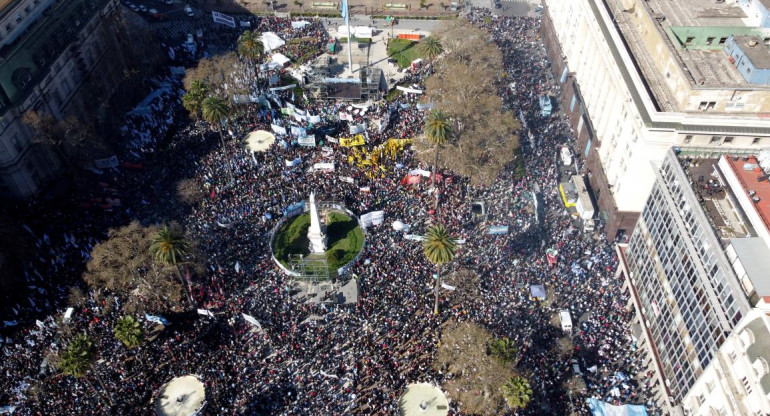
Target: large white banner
point(223, 19)
point(307, 141)
point(357, 128)
point(372, 218)
point(278, 129)
point(324, 166)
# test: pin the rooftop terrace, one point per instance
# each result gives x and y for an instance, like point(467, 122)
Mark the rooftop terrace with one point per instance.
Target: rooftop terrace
point(707, 65)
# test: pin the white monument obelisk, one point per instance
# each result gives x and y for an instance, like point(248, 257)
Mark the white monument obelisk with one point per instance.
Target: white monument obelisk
point(315, 234)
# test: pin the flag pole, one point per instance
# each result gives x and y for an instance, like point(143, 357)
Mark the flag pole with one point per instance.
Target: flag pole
point(350, 38)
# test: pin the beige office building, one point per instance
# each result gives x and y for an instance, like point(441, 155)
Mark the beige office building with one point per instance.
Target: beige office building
point(640, 76)
point(48, 51)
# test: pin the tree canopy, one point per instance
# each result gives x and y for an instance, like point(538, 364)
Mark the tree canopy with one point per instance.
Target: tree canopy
point(128, 331)
point(77, 358)
point(123, 264)
point(517, 392)
point(439, 246)
point(465, 86)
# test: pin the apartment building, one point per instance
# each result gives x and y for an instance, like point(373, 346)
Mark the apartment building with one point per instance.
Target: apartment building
point(738, 382)
point(49, 49)
point(695, 266)
point(640, 76)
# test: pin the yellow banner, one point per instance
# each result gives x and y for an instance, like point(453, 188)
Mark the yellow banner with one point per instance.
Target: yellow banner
point(357, 140)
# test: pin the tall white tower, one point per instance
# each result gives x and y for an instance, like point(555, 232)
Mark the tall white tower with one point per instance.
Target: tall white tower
point(315, 234)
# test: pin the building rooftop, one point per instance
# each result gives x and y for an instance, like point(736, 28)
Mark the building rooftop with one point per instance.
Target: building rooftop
point(754, 183)
point(755, 50)
point(711, 193)
point(707, 65)
point(696, 12)
point(754, 254)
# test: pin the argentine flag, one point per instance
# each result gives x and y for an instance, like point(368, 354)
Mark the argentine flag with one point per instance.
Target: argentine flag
point(345, 10)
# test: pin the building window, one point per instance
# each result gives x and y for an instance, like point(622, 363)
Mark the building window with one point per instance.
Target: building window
point(766, 40)
point(722, 41)
point(756, 140)
point(728, 139)
point(689, 40)
point(687, 139)
point(748, 70)
point(716, 139)
point(709, 40)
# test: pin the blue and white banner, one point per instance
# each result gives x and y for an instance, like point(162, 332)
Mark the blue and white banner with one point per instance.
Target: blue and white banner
point(223, 19)
point(292, 163)
point(294, 208)
point(157, 319)
point(498, 229)
point(345, 10)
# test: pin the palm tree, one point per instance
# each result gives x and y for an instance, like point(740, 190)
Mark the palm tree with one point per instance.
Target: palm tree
point(431, 48)
point(517, 392)
point(439, 248)
point(251, 48)
point(128, 331)
point(437, 130)
point(503, 349)
point(78, 358)
point(193, 99)
point(169, 246)
point(215, 111)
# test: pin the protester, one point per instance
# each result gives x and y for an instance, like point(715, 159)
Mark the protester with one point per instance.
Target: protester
point(310, 358)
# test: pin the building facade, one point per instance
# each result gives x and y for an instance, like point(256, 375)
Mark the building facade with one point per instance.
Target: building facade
point(50, 50)
point(687, 292)
point(738, 382)
point(634, 83)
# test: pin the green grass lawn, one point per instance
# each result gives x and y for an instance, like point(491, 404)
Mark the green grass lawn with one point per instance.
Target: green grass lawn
point(345, 239)
point(404, 51)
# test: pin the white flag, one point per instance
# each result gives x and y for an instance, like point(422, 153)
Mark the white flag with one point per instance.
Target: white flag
point(250, 319)
point(447, 287)
point(205, 312)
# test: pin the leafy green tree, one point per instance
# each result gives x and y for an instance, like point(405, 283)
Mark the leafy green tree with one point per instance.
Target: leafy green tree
point(503, 349)
point(193, 98)
point(430, 47)
point(215, 111)
point(169, 246)
point(78, 358)
point(437, 129)
point(439, 248)
point(251, 48)
point(128, 331)
point(517, 392)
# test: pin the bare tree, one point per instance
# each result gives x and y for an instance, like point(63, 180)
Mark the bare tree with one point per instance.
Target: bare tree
point(465, 85)
point(123, 265)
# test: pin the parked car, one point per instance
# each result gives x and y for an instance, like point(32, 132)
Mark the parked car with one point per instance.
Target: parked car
point(142, 7)
point(188, 10)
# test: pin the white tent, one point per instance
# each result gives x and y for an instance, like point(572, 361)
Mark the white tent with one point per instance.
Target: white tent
point(280, 59)
point(182, 396)
point(363, 32)
point(299, 24)
point(423, 399)
point(358, 31)
point(259, 141)
point(271, 41)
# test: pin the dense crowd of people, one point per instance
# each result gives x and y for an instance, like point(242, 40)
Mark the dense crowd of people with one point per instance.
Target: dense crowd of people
point(314, 358)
